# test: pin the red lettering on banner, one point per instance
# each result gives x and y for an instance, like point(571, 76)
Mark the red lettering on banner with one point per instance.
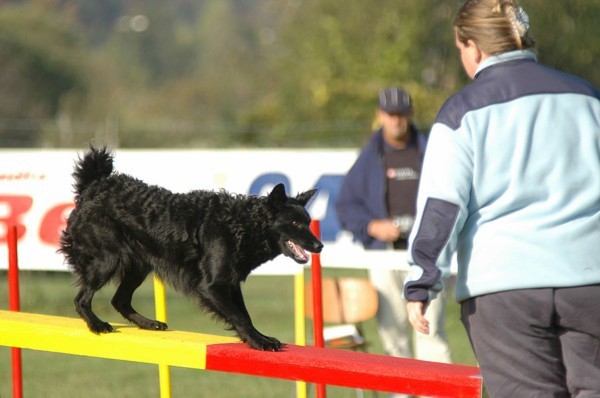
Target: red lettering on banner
point(16, 206)
point(54, 222)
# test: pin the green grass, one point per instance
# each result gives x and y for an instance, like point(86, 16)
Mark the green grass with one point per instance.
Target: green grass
point(269, 300)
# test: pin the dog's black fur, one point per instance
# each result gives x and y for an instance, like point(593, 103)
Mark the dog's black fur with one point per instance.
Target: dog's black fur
point(202, 243)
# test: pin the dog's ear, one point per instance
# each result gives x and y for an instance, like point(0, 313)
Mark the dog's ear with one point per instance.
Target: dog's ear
point(278, 197)
point(304, 197)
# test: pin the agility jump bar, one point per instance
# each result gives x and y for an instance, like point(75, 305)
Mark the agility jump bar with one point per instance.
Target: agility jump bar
point(227, 354)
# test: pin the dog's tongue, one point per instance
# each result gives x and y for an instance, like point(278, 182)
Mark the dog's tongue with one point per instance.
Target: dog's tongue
point(299, 253)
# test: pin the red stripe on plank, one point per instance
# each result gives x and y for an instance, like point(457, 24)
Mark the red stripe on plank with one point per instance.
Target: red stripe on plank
point(348, 369)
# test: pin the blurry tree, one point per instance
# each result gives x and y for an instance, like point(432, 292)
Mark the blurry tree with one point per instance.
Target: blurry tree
point(42, 67)
point(244, 73)
point(339, 54)
point(98, 17)
point(346, 53)
point(220, 100)
point(156, 40)
point(568, 35)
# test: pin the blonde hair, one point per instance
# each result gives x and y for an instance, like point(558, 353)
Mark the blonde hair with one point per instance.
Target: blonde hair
point(496, 26)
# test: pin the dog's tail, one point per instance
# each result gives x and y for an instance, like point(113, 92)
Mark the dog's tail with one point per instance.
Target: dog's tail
point(95, 165)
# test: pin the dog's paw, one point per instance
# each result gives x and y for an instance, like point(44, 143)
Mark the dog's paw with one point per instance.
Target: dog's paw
point(159, 326)
point(100, 327)
point(265, 343)
point(153, 325)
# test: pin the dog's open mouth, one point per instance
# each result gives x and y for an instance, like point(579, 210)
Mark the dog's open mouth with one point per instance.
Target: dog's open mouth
point(298, 253)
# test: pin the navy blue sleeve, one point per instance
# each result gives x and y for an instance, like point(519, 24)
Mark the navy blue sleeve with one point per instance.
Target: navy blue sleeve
point(351, 205)
point(432, 236)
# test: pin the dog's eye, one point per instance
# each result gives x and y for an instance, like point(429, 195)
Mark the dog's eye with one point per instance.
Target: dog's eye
point(295, 224)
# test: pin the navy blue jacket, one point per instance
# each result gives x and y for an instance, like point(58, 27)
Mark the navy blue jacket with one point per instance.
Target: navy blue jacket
point(362, 195)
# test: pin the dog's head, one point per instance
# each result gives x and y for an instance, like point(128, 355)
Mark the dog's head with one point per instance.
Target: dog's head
point(291, 225)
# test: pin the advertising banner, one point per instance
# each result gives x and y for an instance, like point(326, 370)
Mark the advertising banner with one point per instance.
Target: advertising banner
point(36, 191)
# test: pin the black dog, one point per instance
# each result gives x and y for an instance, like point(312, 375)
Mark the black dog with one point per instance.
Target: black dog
point(202, 243)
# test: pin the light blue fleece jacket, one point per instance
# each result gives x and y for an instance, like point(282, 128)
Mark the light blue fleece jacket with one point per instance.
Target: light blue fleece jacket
point(511, 182)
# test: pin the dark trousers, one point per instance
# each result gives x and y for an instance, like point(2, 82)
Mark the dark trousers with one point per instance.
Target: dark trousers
point(537, 342)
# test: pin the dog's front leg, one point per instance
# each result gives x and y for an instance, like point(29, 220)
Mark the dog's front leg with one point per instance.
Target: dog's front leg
point(272, 344)
point(228, 302)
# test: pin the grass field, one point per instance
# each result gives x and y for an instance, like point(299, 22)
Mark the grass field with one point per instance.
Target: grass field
point(269, 300)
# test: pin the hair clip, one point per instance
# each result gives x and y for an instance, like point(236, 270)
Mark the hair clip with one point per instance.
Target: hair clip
point(519, 21)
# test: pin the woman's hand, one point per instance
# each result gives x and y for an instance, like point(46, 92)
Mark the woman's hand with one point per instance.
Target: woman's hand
point(416, 315)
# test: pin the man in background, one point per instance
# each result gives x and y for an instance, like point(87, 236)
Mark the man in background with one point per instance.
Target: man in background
point(377, 203)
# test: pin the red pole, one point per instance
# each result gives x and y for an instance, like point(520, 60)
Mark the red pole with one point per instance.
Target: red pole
point(315, 271)
point(14, 305)
point(317, 289)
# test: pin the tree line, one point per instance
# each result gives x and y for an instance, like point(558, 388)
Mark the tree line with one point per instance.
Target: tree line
point(236, 73)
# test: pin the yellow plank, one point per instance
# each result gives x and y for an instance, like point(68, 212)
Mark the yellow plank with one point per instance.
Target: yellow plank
point(71, 336)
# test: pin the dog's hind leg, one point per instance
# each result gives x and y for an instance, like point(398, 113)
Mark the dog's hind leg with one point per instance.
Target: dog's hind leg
point(122, 301)
point(83, 306)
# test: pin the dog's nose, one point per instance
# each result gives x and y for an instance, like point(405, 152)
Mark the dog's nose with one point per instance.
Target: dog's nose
point(317, 247)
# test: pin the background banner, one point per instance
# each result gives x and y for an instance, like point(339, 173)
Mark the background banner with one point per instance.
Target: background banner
point(36, 191)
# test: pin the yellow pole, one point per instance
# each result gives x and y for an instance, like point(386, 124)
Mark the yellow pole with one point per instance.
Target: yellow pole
point(300, 323)
point(160, 304)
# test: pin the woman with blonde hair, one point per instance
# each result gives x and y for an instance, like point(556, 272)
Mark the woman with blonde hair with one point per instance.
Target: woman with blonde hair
point(511, 183)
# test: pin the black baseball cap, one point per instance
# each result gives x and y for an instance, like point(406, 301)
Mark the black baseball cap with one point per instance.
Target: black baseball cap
point(395, 101)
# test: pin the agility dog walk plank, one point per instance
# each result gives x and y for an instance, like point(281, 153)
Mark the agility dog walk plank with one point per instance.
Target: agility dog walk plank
point(227, 354)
